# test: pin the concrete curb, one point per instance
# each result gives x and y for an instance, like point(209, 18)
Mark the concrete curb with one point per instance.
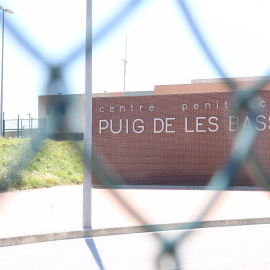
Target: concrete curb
point(54, 236)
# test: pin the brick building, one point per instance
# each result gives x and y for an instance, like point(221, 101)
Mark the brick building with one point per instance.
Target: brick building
point(175, 135)
point(180, 135)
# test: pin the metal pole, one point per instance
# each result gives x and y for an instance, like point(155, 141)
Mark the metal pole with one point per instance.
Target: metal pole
point(4, 125)
point(87, 172)
point(2, 69)
point(1, 112)
point(21, 128)
point(29, 133)
point(125, 67)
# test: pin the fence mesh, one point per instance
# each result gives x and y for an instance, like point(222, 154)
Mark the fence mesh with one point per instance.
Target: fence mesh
point(241, 151)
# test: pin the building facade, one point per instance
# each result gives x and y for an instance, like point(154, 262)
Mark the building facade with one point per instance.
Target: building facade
point(64, 115)
point(178, 136)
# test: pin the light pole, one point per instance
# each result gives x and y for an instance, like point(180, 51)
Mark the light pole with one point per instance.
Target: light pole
point(3, 29)
point(125, 67)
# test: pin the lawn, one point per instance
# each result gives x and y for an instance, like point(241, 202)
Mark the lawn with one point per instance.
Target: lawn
point(28, 164)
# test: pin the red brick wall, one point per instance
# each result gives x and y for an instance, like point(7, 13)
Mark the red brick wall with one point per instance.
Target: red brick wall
point(143, 152)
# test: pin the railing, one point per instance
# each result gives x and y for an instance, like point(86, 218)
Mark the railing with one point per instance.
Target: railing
point(23, 128)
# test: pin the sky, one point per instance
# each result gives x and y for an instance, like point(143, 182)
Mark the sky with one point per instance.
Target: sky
point(161, 49)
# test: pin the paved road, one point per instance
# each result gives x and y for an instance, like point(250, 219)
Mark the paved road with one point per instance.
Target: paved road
point(239, 247)
point(60, 208)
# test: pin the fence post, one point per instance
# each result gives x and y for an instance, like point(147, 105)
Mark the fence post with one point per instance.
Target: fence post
point(21, 128)
point(18, 126)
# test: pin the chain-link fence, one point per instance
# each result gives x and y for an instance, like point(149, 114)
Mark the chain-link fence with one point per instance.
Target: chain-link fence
point(242, 147)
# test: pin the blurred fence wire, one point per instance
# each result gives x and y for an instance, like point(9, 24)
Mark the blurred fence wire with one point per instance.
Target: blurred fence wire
point(241, 151)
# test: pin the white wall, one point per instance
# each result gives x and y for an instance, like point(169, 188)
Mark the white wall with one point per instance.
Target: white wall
point(71, 121)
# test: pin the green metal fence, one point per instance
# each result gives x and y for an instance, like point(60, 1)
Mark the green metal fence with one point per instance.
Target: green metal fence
point(23, 128)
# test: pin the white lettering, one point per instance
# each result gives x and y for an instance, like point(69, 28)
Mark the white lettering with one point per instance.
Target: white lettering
point(247, 123)
point(127, 126)
point(184, 107)
point(262, 103)
point(233, 123)
point(155, 125)
point(260, 122)
point(122, 107)
point(213, 123)
point(160, 124)
point(141, 128)
point(186, 125)
point(198, 123)
point(169, 125)
point(120, 127)
point(103, 127)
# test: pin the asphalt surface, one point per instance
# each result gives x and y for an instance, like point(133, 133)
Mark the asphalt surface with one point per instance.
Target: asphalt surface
point(235, 247)
point(56, 213)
